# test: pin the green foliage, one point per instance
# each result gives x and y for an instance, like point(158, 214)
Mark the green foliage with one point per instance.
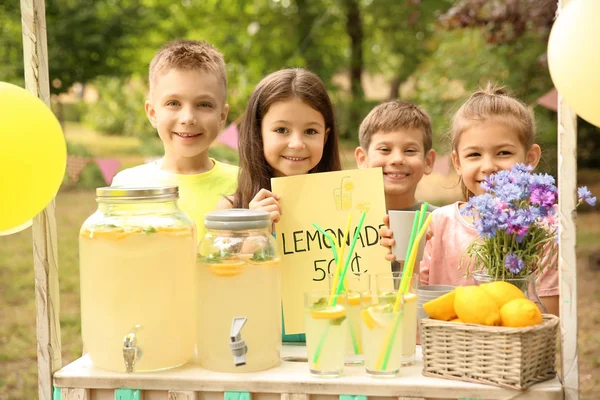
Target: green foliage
point(86, 38)
point(588, 137)
point(446, 78)
point(120, 108)
point(398, 38)
point(224, 154)
point(71, 112)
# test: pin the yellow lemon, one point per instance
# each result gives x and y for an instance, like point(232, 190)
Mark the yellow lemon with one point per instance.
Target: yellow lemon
point(520, 312)
point(410, 298)
point(441, 308)
point(473, 305)
point(502, 292)
point(353, 298)
point(175, 230)
point(376, 315)
point(227, 269)
point(328, 313)
point(457, 320)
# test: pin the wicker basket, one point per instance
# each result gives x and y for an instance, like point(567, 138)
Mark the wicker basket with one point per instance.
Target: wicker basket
point(514, 358)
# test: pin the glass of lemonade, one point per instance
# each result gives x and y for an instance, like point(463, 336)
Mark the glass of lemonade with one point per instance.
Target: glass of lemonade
point(325, 319)
point(357, 288)
point(387, 285)
point(382, 335)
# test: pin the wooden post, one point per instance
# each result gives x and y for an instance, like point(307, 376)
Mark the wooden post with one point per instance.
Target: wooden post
point(45, 260)
point(567, 257)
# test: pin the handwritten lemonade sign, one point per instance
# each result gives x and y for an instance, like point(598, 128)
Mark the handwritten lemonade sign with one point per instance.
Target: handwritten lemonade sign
point(306, 255)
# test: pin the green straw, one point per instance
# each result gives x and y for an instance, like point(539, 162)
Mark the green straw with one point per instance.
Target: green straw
point(349, 256)
point(391, 342)
point(331, 241)
point(406, 273)
point(405, 279)
point(341, 281)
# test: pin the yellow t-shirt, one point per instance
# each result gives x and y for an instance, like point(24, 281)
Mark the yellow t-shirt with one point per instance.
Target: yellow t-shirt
point(198, 193)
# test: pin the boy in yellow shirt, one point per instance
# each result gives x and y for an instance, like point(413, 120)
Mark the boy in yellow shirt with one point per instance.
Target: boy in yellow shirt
point(187, 106)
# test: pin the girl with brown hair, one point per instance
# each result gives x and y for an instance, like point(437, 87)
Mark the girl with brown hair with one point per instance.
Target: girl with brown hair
point(288, 129)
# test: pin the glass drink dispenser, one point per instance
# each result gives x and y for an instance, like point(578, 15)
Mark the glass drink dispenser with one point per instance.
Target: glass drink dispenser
point(137, 259)
point(239, 293)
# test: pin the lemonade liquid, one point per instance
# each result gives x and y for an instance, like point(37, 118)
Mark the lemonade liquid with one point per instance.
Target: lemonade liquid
point(326, 334)
point(357, 294)
point(239, 287)
point(376, 323)
point(140, 277)
point(354, 302)
point(387, 288)
point(409, 329)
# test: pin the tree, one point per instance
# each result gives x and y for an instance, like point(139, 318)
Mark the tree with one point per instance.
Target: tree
point(86, 38)
point(399, 38)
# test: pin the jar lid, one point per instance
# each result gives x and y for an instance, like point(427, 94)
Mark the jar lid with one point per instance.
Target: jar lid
point(237, 219)
point(118, 193)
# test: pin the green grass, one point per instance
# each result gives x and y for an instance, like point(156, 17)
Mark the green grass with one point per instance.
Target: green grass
point(102, 145)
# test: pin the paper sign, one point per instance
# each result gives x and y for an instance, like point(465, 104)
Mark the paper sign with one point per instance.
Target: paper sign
point(327, 199)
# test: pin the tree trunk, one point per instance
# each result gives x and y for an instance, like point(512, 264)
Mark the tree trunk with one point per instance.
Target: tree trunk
point(355, 32)
point(395, 88)
point(306, 47)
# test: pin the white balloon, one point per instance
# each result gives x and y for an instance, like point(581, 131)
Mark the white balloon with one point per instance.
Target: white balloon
point(574, 57)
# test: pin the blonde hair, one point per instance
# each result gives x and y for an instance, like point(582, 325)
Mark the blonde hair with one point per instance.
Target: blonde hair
point(493, 103)
point(392, 116)
point(188, 55)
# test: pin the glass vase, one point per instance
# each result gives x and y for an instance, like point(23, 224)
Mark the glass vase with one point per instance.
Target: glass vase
point(526, 284)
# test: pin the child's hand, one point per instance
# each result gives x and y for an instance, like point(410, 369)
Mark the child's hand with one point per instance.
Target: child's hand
point(266, 201)
point(386, 238)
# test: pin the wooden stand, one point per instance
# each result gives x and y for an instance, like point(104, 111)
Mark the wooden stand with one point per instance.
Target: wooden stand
point(289, 381)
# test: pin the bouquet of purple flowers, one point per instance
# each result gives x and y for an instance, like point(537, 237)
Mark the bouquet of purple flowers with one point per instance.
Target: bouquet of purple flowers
point(516, 221)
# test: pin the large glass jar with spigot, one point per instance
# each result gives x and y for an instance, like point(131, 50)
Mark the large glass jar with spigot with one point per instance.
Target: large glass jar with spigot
point(137, 257)
point(239, 293)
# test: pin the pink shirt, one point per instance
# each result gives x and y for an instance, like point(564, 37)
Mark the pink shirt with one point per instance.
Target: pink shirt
point(452, 234)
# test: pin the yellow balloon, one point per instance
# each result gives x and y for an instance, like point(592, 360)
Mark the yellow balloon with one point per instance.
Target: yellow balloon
point(33, 156)
point(574, 57)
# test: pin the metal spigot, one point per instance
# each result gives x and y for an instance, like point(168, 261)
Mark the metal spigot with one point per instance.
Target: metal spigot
point(238, 346)
point(131, 352)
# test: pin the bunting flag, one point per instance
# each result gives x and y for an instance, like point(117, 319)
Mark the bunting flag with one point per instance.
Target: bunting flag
point(229, 136)
point(109, 168)
point(549, 100)
point(75, 165)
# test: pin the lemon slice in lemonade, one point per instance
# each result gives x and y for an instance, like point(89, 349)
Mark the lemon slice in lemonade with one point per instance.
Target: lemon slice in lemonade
point(353, 298)
point(335, 312)
point(376, 316)
point(227, 269)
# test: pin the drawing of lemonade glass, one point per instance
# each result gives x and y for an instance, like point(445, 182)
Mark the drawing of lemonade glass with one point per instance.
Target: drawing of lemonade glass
point(343, 194)
point(382, 331)
point(387, 285)
point(325, 326)
point(357, 287)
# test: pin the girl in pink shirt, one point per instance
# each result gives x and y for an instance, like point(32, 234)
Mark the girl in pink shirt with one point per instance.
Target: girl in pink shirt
point(490, 132)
